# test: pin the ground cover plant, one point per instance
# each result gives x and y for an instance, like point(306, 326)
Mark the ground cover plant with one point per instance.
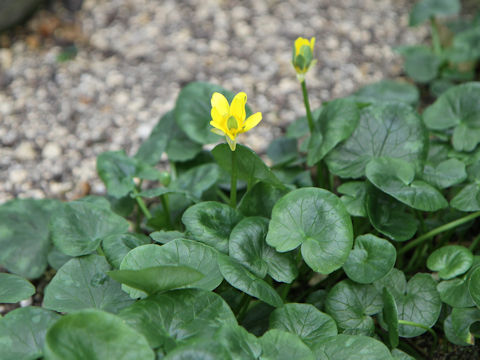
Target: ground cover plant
point(358, 240)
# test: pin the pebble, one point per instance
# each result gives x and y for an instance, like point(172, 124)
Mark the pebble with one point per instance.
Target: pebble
point(25, 151)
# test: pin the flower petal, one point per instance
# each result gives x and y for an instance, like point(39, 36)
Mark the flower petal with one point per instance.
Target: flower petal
point(218, 120)
point(217, 131)
point(312, 43)
point(299, 43)
point(220, 103)
point(252, 121)
point(237, 108)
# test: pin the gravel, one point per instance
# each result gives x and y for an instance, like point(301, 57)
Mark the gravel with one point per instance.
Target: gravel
point(135, 55)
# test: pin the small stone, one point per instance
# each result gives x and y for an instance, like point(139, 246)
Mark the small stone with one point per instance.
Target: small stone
point(17, 176)
point(51, 151)
point(25, 151)
point(26, 302)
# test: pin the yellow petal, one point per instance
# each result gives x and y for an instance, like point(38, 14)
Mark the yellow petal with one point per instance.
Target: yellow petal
point(299, 43)
point(218, 120)
point(217, 131)
point(312, 43)
point(252, 121)
point(220, 103)
point(231, 143)
point(237, 108)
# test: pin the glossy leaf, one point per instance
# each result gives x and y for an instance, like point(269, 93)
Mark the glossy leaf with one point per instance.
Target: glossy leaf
point(197, 180)
point(22, 333)
point(421, 63)
point(384, 130)
point(317, 220)
point(304, 320)
point(202, 349)
point(281, 345)
point(457, 325)
point(371, 259)
point(353, 198)
point(24, 236)
point(455, 293)
point(474, 285)
point(94, 335)
point(447, 173)
point(14, 288)
point(163, 237)
point(352, 347)
point(260, 199)
point(211, 223)
point(467, 199)
point(179, 315)
point(450, 261)
point(153, 147)
point(390, 315)
point(240, 278)
point(117, 246)
point(241, 344)
point(79, 227)
point(282, 151)
point(352, 305)
point(388, 91)
point(83, 283)
point(247, 245)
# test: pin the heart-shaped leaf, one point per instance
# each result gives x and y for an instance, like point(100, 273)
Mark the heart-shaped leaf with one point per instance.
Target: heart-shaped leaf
point(197, 180)
point(388, 91)
point(317, 220)
point(178, 315)
point(304, 320)
point(83, 283)
point(371, 259)
point(115, 247)
point(247, 245)
point(24, 236)
point(450, 261)
point(445, 174)
point(211, 223)
point(281, 345)
point(396, 178)
point(94, 335)
point(240, 278)
point(384, 130)
point(455, 293)
point(260, 199)
point(353, 198)
point(352, 347)
point(22, 332)
point(352, 305)
point(179, 252)
point(241, 344)
point(206, 349)
point(14, 288)
point(467, 199)
point(457, 325)
point(421, 63)
point(78, 228)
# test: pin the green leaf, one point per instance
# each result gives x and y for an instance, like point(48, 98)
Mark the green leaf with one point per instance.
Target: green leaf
point(371, 259)
point(465, 46)
point(282, 345)
point(353, 198)
point(352, 347)
point(474, 285)
point(197, 180)
point(299, 128)
point(467, 199)
point(152, 148)
point(388, 91)
point(14, 288)
point(384, 130)
point(304, 320)
point(177, 316)
point(247, 245)
point(78, 228)
point(151, 280)
point(260, 199)
point(337, 122)
point(417, 301)
point(56, 259)
point(400, 355)
point(282, 151)
point(201, 349)
point(211, 222)
point(22, 332)
point(457, 326)
point(192, 110)
point(163, 237)
point(24, 236)
point(421, 64)
point(317, 220)
point(179, 252)
point(395, 177)
point(317, 298)
point(117, 171)
point(390, 315)
point(450, 261)
point(447, 173)
point(83, 283)
point(426, 9)
point(455, 293)
point(95, 335)
point(242, 279)
point(389, 216)
point(249, 165)
point(115, 247)
point(352, 305)
point(240, 343)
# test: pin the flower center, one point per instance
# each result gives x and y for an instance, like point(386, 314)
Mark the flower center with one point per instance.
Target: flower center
point(232, 123)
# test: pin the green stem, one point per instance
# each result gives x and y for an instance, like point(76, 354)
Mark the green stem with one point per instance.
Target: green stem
point(223, 196)
point(437, 45)
point(474, 243)
point(142, 206)
point(166, 208)
point(438, 230)
point(411, 323)
point(242, 309)
point(233, 184)
point(173, 170)
point(307, 106)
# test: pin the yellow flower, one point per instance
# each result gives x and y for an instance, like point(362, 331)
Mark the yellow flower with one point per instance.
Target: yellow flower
point(302, 57)
point(229, 120)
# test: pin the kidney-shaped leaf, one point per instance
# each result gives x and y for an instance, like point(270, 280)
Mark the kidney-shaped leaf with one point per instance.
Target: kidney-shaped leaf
point(282, 345)
point(83, 283)
point(352, 347)
point(80, 226)
point(384, 130)
point(95, 335)
point(445, 174)
point(457, 326)
point(117, 246)
point(317, 220)
point(353, 198)
point(371, 259)
point(14, 288)
point(22, 333)
point(178, 315)
point(450, 261)
point(455, 292)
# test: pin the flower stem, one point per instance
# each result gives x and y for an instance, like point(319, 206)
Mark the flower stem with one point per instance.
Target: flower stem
point(438, 230)
point(233, 184)
point(437, 45)
point(411, 323)
point(307, 106)
point(142, 206)
point(474, 243)
point(166, 208)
